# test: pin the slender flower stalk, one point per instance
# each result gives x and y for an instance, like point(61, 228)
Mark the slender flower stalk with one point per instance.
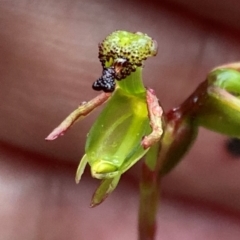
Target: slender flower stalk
point(149, 196)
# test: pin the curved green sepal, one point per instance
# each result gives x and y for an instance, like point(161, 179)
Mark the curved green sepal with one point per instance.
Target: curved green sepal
point(133, 84)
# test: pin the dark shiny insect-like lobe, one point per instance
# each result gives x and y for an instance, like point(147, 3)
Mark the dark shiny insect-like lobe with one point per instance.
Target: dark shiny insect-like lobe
point(106, 82)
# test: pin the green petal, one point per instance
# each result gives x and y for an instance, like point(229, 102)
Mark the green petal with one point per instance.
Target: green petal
point(81, 168)
point(104, 189)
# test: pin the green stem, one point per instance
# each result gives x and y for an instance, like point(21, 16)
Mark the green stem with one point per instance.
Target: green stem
point(150, 187)
point(149, 196)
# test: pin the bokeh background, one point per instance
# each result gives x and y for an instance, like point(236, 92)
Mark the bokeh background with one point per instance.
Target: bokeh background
point(48, 61)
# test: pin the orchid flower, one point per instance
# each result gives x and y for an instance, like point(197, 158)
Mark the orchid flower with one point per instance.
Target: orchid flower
point(132, 124)
point(131, 121)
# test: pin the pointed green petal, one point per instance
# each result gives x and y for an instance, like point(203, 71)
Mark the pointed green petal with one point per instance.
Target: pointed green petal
point(104, 189)
point(81, 168)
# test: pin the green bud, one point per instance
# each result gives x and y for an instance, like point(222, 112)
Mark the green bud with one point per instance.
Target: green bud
point(219, 108)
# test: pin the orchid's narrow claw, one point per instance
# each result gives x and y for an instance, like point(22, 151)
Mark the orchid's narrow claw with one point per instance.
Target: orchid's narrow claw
point(155, 115)
point(82, 111)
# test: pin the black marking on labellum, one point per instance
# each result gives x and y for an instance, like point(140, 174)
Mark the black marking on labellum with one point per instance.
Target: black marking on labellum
point(233, 147)
point(106, 82)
